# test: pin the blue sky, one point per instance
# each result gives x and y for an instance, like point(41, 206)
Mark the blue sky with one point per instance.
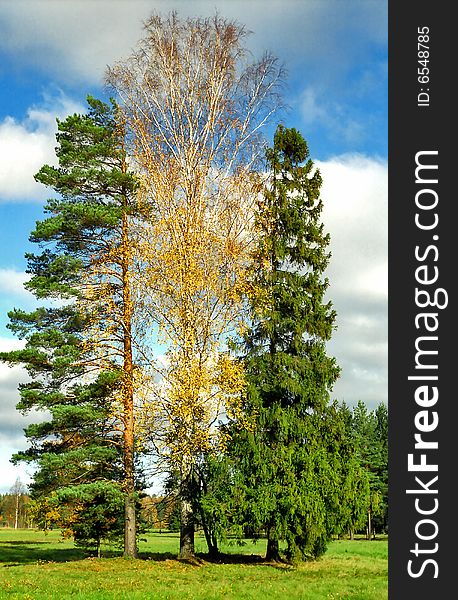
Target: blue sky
point(52, 54)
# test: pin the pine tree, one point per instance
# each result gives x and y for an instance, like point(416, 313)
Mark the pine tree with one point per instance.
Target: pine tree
point(79, 351)
point(286, 464)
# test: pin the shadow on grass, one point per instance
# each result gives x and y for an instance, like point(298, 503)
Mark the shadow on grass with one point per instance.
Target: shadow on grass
point(21, 543)
point(157, 556)
point(19, 552)
point(245, 559)
point(233, 559)
point(202, 559)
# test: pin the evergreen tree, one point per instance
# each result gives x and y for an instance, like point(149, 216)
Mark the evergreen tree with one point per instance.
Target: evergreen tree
point(97, 516)
point(370, 438)
point(355, 491)
point(287, 463)
point(79, 351)
point(215, 501)
point(381, 432)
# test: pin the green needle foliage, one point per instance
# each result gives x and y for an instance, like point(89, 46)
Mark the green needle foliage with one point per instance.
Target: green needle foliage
point(79, 448)
point(369, 430)
point(291, 467)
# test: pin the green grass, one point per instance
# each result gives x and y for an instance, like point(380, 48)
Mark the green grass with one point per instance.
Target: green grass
point(38, 567)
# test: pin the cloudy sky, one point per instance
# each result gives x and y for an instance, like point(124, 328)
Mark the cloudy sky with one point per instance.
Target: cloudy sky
point(53, 53)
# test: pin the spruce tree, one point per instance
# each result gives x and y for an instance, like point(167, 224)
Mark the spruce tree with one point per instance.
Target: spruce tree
point(369, 431)
point(355, 490)
point(78, 351)
point(288, 465)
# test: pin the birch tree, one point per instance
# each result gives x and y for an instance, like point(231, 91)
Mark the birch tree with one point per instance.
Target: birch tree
point(195, 105)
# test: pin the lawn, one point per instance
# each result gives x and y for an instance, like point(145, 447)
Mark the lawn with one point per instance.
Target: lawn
point(35, 566)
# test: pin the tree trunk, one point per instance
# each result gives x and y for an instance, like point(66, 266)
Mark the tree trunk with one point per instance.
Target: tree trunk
point(130, 542)
point(130, 526)
point(186, 530)
point(210, 538)
point(16, 517)
point(369, 525)
point(273, 550)
point(215, 550)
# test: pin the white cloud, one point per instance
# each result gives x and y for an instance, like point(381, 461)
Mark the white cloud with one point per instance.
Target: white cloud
point(312, 109)
point(76, 39)
point(318, 110)
point(355, 196)
point(12, 282)
point(10, 377)
point(12, 422)
point(22, 152)
point(12, 472)
point(7, 344)
point(28, 144)
point(73, 40)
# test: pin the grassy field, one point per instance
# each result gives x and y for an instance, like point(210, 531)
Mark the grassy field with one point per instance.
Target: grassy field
point(38, 567)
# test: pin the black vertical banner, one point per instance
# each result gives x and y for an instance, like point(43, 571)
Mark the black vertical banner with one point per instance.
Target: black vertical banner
point(423, 413)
